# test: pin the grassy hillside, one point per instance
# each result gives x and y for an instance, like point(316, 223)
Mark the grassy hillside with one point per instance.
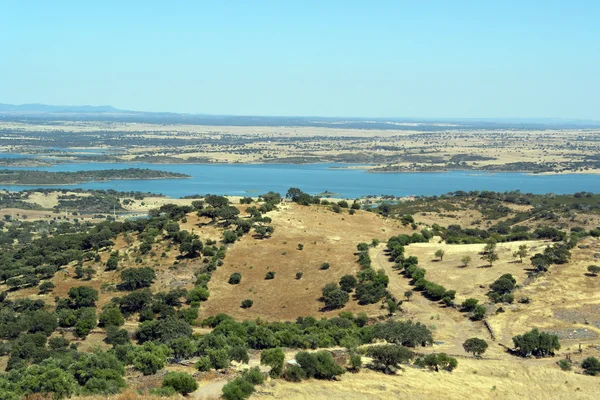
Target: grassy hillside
point(168, 293)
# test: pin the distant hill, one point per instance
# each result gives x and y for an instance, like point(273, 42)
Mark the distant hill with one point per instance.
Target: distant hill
point(45, 108)
point(47, 112)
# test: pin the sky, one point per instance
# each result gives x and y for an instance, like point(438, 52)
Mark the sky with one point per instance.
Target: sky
point(405, 59)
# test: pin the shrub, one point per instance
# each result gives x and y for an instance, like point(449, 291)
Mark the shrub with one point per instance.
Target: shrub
point(334, 297)
point(441, 360)
point(136, 278)
point(591, 366)
point(469, 304)
point(299, 275)
point(348, 283)
point(273, 358)
point(300, 246)
point(325, 266)
point(235, 278)
point(254, 376)
point(46, 287)
point(181, 382)
point(203, 364)
point(592, 269)
point(247, 303)
point(565, 365)
point(320, 365)
point(355, 362)
point(197, 294)
point(294, 373)
point(270, 275)
point(238, 389)
point(478, 312)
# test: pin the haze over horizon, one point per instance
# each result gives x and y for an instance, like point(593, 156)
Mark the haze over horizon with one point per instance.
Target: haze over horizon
point(389, 59)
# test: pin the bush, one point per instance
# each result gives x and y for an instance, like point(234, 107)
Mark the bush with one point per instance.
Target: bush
point(591, 366)
point(565, 365)
point(181, 382)
point(235, 278)
point(254, 376)
point(273, 358)
point(348, 283)
point(136, 278)
point(334, 297)
point(324, 266)
point(441, 360)
point(294, 373)
point(247, 303)
point(319, 365)
point(46, 287)
point(238, 389)
point(197, 294)
point(270, 275)
point(299, 275)
point(203, 364)
point(355, 362)
point(83, 296)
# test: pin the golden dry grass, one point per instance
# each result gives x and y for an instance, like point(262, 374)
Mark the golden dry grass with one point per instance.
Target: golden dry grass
point(473, 379)
point(326, 236)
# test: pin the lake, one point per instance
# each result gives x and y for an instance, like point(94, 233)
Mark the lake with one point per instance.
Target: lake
point(254, 179)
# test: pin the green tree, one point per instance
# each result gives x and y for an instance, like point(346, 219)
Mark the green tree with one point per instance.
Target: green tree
point(465, 260)
point(536, 343)
point(440, 254)
point(180, 381)
point(334, 297)
point(136, 278)
point(521, 252)
point(86, 321)
point(235, 278)
point(475, 346)
point(592, 269)
point(387, 357)
point(197, 294)
point(247, 303)
point(591, 366)
point(150, 357)
point(46, 287)
point(273, 358)
point(348, 283)
point(83, 296)
point(111, 316)
point(408, 294)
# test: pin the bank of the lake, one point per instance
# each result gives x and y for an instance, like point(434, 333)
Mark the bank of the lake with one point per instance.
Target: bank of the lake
point(253, 179)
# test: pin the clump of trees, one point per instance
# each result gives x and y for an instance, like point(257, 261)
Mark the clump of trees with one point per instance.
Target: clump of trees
point(502, 288)
point(536, 343)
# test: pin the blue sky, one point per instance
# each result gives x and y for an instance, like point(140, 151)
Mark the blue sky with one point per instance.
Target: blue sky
point(450, 59)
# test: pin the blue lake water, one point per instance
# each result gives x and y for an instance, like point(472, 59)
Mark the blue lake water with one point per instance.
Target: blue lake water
point(254, 179)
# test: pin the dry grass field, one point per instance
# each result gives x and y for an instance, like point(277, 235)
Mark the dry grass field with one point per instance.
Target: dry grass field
point(473, 379)
point(326, 237)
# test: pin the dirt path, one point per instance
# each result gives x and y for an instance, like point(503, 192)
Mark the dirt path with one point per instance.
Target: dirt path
point(450, 327)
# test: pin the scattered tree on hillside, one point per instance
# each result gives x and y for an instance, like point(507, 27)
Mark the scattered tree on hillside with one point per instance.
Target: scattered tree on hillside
point(440, 254)
point(536, 343)
point(465, 260)
point(475, 346)
point(592, 269)
point(387, 357)
point(521, 253)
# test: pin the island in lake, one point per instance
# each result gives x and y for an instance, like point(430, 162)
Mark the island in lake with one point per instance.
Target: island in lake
point(24, 177)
